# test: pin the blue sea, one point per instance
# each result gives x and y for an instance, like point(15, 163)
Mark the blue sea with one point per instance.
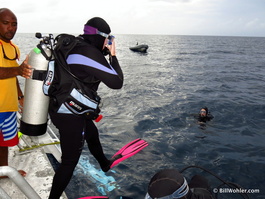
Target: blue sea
point(163, 90)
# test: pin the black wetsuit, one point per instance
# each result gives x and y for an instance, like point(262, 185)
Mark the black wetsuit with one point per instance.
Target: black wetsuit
point(85, 62)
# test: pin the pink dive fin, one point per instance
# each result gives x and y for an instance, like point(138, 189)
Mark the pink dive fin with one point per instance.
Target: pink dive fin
point(129, 150)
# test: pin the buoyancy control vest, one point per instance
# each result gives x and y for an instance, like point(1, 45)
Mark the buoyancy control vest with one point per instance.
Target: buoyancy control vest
point(68, 93)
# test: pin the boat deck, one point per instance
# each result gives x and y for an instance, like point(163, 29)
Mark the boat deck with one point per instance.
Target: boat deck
point(33, 160)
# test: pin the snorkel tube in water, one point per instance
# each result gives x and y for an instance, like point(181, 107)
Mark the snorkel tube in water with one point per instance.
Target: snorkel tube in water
point(35, 111)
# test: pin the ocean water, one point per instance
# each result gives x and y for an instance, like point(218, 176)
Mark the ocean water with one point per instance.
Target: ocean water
point(163, 89)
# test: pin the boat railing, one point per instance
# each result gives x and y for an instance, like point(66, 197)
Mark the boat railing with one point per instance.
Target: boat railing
point(35, 146)
point(20, 181)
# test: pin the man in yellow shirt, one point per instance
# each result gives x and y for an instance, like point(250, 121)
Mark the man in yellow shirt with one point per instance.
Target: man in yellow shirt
point(10, 92)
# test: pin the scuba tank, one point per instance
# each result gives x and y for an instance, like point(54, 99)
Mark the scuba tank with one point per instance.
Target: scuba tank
point(35, 111)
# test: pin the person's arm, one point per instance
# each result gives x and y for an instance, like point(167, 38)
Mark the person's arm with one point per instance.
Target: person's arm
point(23, 70)
point(9, 72)
point(115, 66)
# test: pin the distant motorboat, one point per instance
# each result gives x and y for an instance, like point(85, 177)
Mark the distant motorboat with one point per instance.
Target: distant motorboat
point(142, 48)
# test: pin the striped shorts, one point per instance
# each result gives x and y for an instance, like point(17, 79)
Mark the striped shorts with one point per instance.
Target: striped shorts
point(8, 129)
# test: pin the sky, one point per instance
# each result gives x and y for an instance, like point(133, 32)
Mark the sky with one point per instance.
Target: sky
point(155, 17)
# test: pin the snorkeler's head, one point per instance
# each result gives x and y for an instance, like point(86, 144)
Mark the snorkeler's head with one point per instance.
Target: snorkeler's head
point(206, 109)
point(204, 112)
point(166, 184)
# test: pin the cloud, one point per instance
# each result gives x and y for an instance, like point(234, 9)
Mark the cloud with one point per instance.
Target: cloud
point(255, 23)
point(191, 17)
point(173, 1)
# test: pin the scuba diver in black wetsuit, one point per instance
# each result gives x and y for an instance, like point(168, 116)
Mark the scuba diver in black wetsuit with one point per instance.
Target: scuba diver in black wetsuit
point(87, 62)
point(204, 115)
point(170, 184)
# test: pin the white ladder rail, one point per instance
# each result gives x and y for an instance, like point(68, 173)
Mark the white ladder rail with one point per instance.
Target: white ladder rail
point(20, 181)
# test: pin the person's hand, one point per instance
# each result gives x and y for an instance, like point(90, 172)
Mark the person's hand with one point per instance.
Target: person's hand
point(112, 48)
point(25, 70)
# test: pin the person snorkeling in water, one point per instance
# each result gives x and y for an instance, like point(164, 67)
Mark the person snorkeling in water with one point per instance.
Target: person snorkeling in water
point(204, 115)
